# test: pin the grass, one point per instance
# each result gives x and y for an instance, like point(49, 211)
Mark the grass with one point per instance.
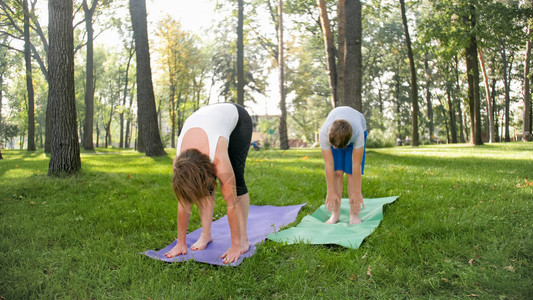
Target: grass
point(460, 229)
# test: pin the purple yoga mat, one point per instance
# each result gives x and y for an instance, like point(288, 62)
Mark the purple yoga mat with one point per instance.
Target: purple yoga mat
point(262, 220)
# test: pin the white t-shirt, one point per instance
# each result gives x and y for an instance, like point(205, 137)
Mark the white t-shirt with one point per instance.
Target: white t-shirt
point(216, 120)
point(355, 118)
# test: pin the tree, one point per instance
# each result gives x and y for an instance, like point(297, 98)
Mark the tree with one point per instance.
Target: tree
point(240, 53)
point(89, 80)
point(526, 127)
point(3, 69)
point(414, 86)
point(353, 66)
point(283, 139)
point(29, 80)
point(472, 71)
point(148, 134)
point(330, 50)
point(65, 149)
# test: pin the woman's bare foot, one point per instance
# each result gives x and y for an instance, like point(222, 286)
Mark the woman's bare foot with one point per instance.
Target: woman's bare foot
point(333, 219)
point(245, 246)
point(201, 243)
point(354, 219)
point(177, 250)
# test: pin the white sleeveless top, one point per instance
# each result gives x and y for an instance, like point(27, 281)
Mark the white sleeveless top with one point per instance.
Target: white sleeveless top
point(216, 120)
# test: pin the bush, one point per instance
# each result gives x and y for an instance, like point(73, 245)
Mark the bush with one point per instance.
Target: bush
point(378, 138)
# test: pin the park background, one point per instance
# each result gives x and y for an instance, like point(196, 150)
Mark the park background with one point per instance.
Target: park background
point(444, 86)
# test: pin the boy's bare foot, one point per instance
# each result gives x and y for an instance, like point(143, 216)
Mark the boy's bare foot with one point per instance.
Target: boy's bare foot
point(177, 250)
point(201, 243)
point(354, 219)
point(333, 219)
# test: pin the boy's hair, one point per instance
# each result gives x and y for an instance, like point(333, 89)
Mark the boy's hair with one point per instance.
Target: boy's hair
point(340, 133)
point(194, 177)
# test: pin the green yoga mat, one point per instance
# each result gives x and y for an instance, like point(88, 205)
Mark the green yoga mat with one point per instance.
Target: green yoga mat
point(313, 230)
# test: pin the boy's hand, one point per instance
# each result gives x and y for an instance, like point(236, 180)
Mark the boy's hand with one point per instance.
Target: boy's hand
point(332, 201)
point(179, 249)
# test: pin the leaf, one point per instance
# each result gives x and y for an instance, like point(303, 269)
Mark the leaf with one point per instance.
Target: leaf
point(352, 277)
point(305, 157)
point(369, 272)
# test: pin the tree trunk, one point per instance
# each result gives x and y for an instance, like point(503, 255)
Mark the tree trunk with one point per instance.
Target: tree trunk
point(444, 117)
point(125, 96)
point(353, 63)
point(240, 54)
point(29, 79)
point(89, 80)
point(487, 96)
point(526, 127)
point(462, 131)
point(451, 112)
point(330, 51)
point(428, 101)
point(503, 53)
point(472, 70)
point(149, 135)
point(65, 148)
point(414, 85)
point(283, 138)
point(397, 97)
point(128, 134)
point(1, 99)
point(341, 57)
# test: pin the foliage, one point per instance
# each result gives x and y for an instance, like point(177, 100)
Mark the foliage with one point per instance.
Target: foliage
point(378, 138)
point(460, 229)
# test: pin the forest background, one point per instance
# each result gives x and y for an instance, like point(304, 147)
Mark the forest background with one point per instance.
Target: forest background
point(195, 67)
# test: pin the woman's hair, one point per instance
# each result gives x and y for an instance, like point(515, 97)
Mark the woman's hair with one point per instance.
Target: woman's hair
point(340, 133)
point(194, 177)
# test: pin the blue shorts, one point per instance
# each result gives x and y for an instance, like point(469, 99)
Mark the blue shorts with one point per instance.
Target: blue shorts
point(342, 158)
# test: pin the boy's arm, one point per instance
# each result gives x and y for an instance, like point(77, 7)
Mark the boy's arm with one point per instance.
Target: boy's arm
point(332, 197)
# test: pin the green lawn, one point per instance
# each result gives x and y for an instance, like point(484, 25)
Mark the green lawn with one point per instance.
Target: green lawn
point(462, 227)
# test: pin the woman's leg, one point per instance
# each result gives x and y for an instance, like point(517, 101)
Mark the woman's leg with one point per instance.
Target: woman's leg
point(243, 205)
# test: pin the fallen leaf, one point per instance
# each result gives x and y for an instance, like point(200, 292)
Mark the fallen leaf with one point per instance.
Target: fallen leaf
point(129, 176)
point(305, 157)
point(352, 277)
point(509, 268)
point(455, 186)
point(445, 279)
point(368, 272)
point(471, 262)
point(472, 295)
point(32, 203)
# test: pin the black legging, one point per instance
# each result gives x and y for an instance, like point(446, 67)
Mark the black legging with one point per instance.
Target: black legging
point(239, 145)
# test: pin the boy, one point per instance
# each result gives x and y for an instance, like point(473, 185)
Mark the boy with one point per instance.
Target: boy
point(213, 143)
point(342, 140)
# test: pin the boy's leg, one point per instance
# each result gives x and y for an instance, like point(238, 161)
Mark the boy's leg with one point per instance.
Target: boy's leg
point(336, 210)
point(206, 217)
point(355, 199)
point(243, 205)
